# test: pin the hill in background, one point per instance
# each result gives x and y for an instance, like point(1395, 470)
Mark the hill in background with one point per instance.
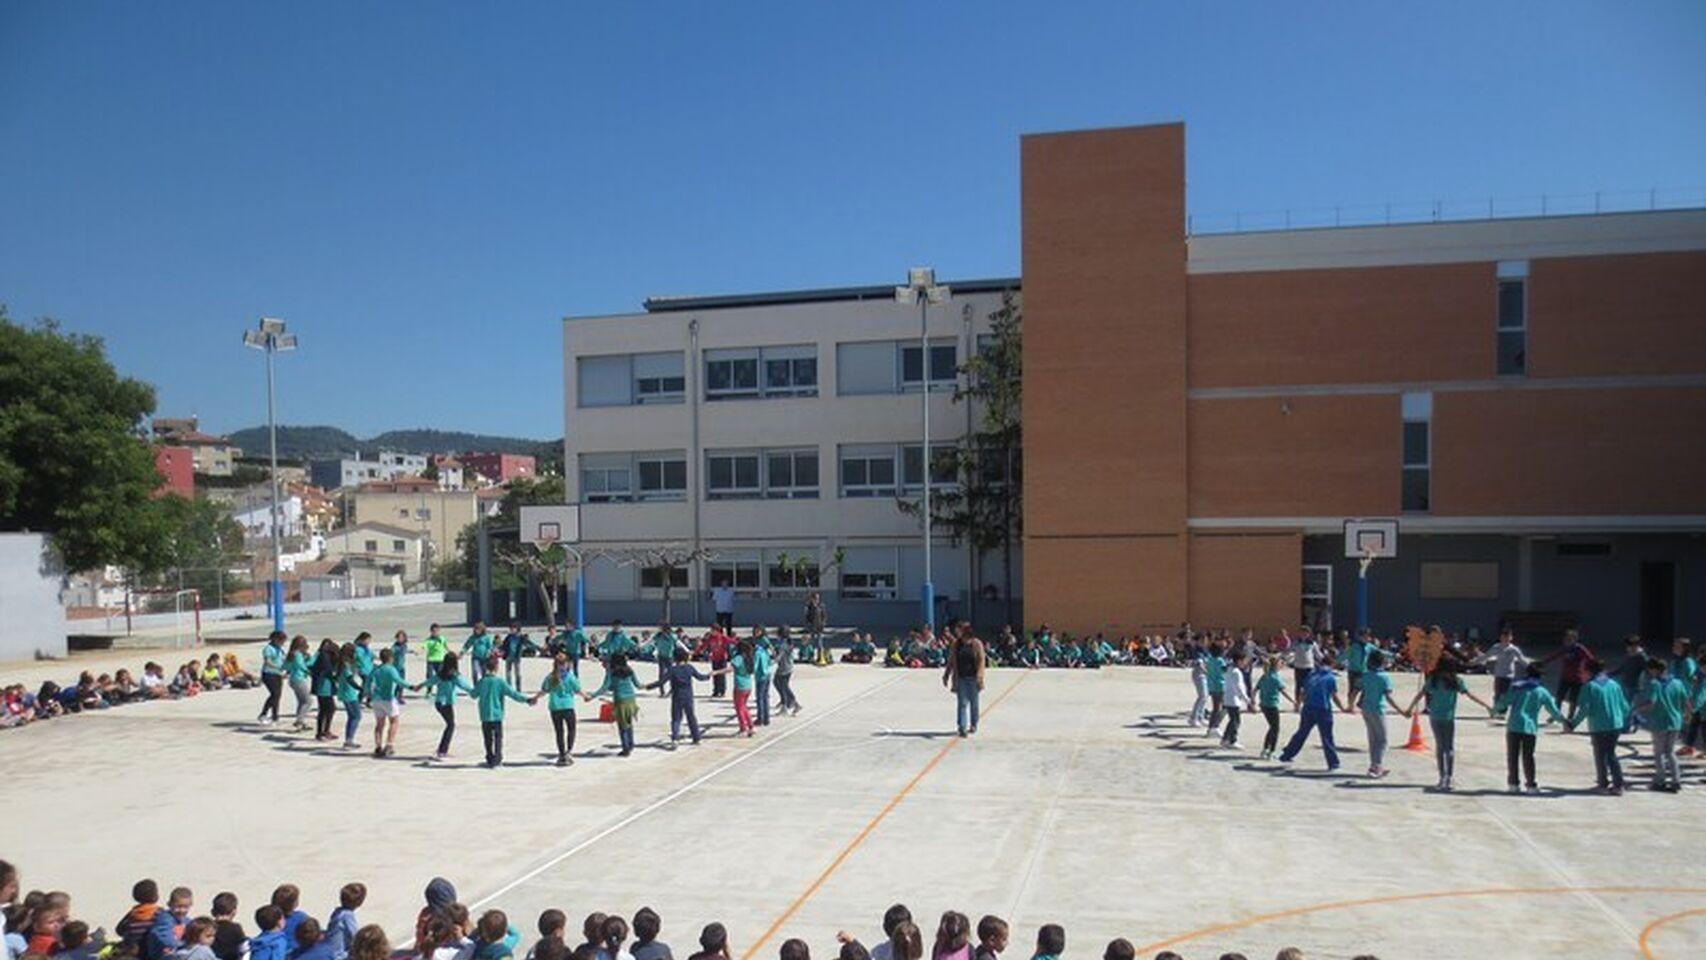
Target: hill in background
point(311, 443)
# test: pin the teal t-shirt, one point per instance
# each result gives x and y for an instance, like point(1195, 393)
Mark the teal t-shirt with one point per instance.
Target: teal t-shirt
point(620, 688)
point(384, 683)
point(1668, 704)
point(1356, 659)
point(1268, 690)
point(492, 691)
point(479, 646)
point(1214, 668)
point(349, 684)
point(296, 666)
point(363, 660)
point(576, 642)
point(444, 691)
point(272, 658)
point(742, 671)
point(1442, 698)
point(1375, 686)
point(400, 659)
point(560, 691)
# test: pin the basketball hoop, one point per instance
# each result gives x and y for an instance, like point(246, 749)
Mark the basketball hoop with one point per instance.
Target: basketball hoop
point(1364, 562)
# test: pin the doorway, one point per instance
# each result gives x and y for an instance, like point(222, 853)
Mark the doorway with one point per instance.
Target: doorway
point(1658, 601)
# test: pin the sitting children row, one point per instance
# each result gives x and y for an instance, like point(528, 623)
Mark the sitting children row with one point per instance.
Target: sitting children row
point(18, 706)
point(446, 930)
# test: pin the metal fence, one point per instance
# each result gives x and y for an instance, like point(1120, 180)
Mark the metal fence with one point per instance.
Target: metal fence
point(1448, 211)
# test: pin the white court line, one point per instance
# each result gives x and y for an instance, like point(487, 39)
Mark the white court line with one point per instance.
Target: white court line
point(678, 792)
point(1557, 869)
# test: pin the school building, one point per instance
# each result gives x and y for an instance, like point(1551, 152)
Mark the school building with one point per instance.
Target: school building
point(1203, 412)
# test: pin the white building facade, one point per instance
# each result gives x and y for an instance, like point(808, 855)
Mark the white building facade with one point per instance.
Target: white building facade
point(763, 437)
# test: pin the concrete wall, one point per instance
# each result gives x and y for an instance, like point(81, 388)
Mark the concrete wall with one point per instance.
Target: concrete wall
point(30, 609)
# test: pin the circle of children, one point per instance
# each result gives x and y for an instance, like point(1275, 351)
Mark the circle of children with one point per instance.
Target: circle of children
point(38, 927)
point(1667, 697)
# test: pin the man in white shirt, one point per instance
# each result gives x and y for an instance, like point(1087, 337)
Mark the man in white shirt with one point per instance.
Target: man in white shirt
point(1304, 652)
point(723, 601)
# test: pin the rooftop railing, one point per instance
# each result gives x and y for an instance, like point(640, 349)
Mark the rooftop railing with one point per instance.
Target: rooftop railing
point(1448, 211)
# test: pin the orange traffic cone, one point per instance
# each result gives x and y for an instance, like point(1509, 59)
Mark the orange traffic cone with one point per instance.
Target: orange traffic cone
point(1417, 743)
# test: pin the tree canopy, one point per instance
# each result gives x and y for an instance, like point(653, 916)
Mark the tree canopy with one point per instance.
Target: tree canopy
point(73, 461)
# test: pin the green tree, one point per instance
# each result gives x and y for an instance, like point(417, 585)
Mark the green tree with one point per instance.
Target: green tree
point(461, 570)
point(73, 461)
point(199, 543)
point(984, 507)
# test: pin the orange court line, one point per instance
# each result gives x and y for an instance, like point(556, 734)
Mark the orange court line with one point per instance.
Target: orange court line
point(1412, 897)
point(864, 833)
point(1651, 928)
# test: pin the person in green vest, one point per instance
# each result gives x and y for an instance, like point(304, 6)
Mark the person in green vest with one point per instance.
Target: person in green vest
point(1605, 707)
point(575, 644)
point(1270, 687)
point(1442, 689)
point(350, 692)
point(1524, 700)
point(1666, 704)
point(434, 648)
point(445, 680)
point(478, 648)
point(615, 642)
point(385, 693)
point(624, 690)
point(491, 690)
point(296, 670)
point(561, 686)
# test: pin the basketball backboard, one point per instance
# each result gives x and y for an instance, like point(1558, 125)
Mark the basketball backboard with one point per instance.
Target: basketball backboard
point(553, 523)
point(1371, 538)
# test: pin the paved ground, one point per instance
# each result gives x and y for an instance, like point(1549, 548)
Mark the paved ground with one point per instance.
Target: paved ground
point(1083, 801)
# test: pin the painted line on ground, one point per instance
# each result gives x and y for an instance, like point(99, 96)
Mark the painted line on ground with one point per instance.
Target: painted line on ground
point(1262, 918)
point(681, 791)
point(869, 828)
point(1651, 928)
point(1557, 869)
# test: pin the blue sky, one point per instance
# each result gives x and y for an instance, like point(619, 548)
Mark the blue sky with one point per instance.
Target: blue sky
point(423, 189)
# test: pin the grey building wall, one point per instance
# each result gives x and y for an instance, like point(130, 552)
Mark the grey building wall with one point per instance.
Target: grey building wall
point(30, 584)
point(1598, 579)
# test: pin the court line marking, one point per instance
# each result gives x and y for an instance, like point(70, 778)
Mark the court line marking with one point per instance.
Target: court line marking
point(1556, 868)
point(683, 790)
point(870, 827)
point(1651, 928)
point(1262, 918)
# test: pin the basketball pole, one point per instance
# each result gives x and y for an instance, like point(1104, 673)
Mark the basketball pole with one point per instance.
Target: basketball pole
point(1362, 591)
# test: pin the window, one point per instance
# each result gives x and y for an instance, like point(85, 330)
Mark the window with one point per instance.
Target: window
point(423, 513)
point(791, 474)
point(869, 573)
point(606, 478)
point(396, 546)
point(372, 546)
point(799, 575)
point(651, 578)
point(754, 372)
point(625, 379)
point(944, 364)
point(1418, 443)
point(1459, 580)
point(867, 470)
point(943, 470)
point(658, 378)
point(732, 476)
point(742, 574)
point(1318, 595)
point(663, 476)
point(1513, 318)
point(403, 514)
point(894, 366)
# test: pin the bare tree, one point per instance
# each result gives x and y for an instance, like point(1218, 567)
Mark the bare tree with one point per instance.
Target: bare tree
point(666, 558)
point(543, 565)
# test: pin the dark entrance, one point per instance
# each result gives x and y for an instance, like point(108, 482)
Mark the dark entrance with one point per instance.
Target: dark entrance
point(1658, 601)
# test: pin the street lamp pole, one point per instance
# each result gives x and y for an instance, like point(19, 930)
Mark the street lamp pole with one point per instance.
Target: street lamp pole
point(921, 288)
point(270, 338)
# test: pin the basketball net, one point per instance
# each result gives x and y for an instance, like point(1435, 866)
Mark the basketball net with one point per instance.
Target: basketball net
point(1364, 562)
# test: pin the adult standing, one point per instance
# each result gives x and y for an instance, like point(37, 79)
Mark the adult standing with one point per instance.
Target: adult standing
point(272, 675)
point(816, 619)
point(964, 675)
point(723, 602)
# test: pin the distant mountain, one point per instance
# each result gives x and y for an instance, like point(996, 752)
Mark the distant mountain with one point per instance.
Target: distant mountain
point(313, 443)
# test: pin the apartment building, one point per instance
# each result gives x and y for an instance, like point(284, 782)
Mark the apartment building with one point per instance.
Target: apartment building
point(768, 440)
point(331, 474)
point(500, 467)
point(439, 516)
point(1202, 413)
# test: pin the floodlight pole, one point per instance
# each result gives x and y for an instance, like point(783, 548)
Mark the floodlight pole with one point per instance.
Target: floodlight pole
point(921, 288)
point(272, 456)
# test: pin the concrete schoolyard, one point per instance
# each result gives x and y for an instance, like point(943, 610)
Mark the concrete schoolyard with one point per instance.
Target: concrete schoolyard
point(1083, 800)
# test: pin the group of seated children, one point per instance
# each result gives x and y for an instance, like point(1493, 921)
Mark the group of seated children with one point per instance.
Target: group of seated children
point(19, 706)
point(39, 927)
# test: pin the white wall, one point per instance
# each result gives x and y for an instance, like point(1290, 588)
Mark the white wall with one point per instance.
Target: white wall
point(29, 599)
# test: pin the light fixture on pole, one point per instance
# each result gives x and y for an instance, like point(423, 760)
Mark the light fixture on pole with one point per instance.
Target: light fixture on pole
point(921, 288)
point(269, 337)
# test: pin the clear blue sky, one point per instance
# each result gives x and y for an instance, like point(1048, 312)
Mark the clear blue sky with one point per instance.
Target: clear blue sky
point(423, 189)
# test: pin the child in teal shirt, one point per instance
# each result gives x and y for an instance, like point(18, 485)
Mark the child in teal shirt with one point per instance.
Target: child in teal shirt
point(1269, 689)
point(1524, 700)
point(491, 692)
point(445, 681)
point(561, 686)
point(624, 690)
point(1667, 706)
point(385, 692)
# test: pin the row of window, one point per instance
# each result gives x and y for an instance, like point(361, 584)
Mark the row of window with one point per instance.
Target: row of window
point(754, 373)
point(787, 473)
point(778, 573)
